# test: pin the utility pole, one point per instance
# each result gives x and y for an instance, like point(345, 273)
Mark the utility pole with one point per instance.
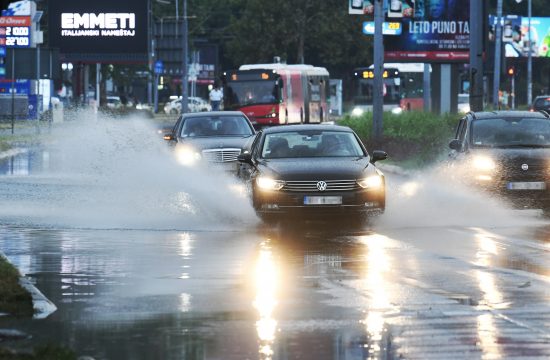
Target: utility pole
point(529, 55)
point(378, 81)
point(498, 48)
point(529, 60)
point(476, 55)
point(184, 82)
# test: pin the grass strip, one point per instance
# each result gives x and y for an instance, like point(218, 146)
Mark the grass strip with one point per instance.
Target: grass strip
point(14, 299)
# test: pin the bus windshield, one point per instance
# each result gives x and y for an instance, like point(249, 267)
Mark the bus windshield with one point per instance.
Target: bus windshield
point(364, 91)
point(251, 92)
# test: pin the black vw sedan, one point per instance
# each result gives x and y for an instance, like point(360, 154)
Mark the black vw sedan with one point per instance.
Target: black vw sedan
point(312, 170)
point(506, 153)
point(213, 137)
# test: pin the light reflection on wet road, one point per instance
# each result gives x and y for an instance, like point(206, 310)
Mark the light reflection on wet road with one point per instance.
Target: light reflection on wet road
point(396, 289)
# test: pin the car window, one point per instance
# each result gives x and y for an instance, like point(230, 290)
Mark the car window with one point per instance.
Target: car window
point(216, 126)
point(460, 130)
point(542, 103)
point(503, 132)
point(311, 143)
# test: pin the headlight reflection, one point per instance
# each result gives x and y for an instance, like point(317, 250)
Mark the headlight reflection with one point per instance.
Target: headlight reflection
point(266, 300)
point(487, 331)
point(376, 285)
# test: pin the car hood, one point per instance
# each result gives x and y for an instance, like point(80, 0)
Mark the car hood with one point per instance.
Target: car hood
point(317, 168)
point(201, 143)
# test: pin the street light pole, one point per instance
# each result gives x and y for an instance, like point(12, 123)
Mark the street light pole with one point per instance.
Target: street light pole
point(498, 42)
point(184, 85)
point(378, 82)
point(529, 60)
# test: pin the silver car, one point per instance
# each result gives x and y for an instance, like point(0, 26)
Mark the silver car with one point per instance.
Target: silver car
point(213, 138)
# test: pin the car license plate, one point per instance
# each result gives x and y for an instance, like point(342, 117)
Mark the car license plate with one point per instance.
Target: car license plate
point(533, 185)
point(322, 200)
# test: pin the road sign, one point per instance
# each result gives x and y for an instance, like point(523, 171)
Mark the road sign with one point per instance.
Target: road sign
point(159, 67)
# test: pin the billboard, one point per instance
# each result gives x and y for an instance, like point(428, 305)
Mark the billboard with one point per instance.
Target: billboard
point(432, 31)
point(515, 35)
point(116, 28)
point(16, 31)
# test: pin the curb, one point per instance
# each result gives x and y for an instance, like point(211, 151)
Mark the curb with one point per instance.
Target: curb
point(41, 305)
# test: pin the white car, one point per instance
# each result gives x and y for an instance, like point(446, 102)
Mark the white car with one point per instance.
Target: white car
point(113, 102)
point(195, 104)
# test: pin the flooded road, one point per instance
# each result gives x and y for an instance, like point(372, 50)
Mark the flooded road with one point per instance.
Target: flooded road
point(145, 260)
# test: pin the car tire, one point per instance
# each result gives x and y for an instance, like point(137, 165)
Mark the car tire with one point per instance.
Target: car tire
point(173, 112)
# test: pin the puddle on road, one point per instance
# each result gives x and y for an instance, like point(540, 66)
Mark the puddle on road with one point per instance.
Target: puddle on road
point(116, 173)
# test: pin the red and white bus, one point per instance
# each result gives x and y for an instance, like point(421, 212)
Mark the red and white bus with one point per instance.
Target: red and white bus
point(273, 94)
point(403, 87)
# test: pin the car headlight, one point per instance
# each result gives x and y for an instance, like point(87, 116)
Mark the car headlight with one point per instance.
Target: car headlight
point(484, 163)
point(187, 155)
point(371, 182)
point(357, 111)
point(267, 183)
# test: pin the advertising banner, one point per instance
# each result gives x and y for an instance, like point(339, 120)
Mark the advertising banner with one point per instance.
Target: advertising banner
point(432, 31)
point(98, 27)
point(515, 35)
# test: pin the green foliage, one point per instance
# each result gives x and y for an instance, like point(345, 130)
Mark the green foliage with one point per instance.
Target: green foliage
point(14, 299)
point(411, 137)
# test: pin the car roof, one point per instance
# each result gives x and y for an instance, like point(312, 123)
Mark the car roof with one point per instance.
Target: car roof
point(507, 114)
point(322, 127)
point(214, 113)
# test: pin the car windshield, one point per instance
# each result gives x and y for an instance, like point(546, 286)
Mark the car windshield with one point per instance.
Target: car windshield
point(225, 125)
point(510, 132)
point(311, 143)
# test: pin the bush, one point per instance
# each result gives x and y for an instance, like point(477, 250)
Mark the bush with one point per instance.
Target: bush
point(414, 138)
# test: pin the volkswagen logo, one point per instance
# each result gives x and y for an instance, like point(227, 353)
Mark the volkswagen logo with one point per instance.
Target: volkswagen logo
point(524, 167)
point(322, 186)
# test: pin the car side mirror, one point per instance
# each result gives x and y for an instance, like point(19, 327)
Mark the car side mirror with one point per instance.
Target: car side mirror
point(245, 158)
point(378, 155)
point(455, 144)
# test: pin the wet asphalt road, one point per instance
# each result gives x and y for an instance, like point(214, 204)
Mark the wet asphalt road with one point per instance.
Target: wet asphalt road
point(439, 276)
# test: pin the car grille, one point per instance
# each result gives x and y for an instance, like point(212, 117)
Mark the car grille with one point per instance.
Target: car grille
point(536, 170)
point(221, 155)
point(332, 185)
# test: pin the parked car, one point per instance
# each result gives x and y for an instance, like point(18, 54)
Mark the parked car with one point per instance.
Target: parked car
point(312, 170)
point(195, 104)
point(114, 102)
point(506, 154)
point(541, 103)
point(214, 137)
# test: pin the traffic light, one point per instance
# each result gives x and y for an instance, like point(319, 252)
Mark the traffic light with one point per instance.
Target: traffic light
point(511, 71)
